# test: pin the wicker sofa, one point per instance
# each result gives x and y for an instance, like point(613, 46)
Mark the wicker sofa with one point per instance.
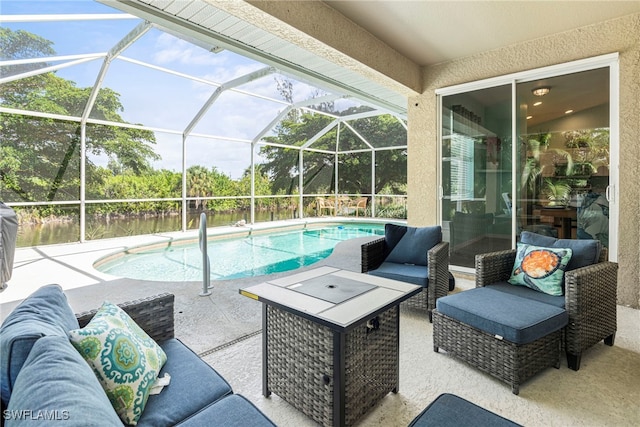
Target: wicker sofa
point(430, 270)
point(43, 374)
point(584, 315)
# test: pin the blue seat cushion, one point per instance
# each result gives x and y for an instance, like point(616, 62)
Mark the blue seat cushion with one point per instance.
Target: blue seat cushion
point(45, 312)
point(232, 411)
point(194, 385)
point(525, 292)
point(514, 318)
point(57, 383)
point(449, 410)
point(415, 274)
point(584, 251)
point(413, 245)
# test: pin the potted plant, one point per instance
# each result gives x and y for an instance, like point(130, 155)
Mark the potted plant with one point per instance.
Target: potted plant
point(557, 192)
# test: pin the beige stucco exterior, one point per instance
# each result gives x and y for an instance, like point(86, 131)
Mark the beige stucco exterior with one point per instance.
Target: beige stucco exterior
point(619, 35)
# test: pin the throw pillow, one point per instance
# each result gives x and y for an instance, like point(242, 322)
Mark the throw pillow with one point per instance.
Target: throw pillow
point(540, 268)
point(45, 312)
point(124, 358)
point(413, 246)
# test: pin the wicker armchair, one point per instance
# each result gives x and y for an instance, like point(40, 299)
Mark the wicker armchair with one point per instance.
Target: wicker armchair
point(590, 299)
point(153, 314)
point(435, 279)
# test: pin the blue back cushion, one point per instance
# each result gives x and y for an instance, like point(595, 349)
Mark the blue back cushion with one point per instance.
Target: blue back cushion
point(413, 245)
point(584, 251)
point(45, 312)
point(56, 381)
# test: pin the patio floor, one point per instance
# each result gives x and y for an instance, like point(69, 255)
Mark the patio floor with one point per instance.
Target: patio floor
point(224, 329)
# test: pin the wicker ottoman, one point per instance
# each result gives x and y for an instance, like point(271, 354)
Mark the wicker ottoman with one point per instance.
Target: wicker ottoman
point(510, 337)
point(449, 410)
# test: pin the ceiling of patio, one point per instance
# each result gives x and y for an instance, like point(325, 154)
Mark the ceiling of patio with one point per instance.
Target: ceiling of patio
point(429, 32)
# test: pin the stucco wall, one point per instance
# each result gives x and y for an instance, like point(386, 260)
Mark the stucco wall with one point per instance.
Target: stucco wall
point(620, 35)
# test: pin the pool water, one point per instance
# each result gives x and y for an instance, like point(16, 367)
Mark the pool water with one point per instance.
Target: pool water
point(235, 258)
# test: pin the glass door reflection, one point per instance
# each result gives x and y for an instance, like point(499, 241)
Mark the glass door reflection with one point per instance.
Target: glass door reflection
point(476, 172)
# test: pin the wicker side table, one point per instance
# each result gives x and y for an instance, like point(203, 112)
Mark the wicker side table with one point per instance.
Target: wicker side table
point(331, 376)
point(330, 351)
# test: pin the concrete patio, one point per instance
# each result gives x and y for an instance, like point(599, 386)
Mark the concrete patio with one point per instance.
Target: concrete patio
point(224, 329)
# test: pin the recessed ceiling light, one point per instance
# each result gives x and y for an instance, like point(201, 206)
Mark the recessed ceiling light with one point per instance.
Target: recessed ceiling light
point(535, 104)
point(541, 91)
point(529, 117)
point(568, 112)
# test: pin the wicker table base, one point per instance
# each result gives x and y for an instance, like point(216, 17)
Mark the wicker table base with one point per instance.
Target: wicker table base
point(331, 376)
point(507, 361)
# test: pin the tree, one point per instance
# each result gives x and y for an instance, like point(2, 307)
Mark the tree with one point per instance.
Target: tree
point(40, 157)
point(282, 164)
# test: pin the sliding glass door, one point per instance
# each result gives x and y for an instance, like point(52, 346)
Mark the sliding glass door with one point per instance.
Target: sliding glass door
point(526, 154)
point(476, 172)
point(563, 157)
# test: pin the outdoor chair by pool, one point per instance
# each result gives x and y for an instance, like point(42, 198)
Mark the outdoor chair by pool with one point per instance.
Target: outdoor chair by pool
point(513, 332)
point(361, 203)
point(323, 204)
point(415, 255)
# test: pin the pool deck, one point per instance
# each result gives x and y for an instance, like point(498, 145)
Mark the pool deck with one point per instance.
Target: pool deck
point(225, 330)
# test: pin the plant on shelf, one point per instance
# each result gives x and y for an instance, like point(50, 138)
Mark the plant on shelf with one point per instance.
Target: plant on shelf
point(557, 192)
point(590, 148)
point(532, 169)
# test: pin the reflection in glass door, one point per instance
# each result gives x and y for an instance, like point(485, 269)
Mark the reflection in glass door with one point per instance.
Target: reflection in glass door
point(476, 172)
point(563, 155)
point(557, 181)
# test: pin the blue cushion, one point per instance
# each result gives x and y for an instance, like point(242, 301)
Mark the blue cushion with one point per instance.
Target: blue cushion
point(232, 411)
point(392, 235)
point(194, 385)
point(44, 312)
point(516, 319)
point(413, 246)
point(449, 410)
point(585, 251)
point(525, 292)
point(57, 383)
point(415, 274)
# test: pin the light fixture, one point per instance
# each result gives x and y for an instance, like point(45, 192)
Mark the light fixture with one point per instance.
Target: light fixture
point(568, 112)
point(529, 117)
point(535, 104)
point(541, 91)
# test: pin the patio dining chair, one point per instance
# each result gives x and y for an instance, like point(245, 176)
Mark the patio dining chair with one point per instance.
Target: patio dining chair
point(323, 204)
point(415, 255)
point(361, 203)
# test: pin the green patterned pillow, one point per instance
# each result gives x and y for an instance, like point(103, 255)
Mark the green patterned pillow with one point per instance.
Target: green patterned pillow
point(124, 358)
point(540, 268)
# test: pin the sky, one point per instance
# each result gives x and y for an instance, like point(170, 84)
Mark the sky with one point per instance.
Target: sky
point(158, 99)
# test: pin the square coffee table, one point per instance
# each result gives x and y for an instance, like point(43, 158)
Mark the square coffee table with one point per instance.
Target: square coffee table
point(331, 341)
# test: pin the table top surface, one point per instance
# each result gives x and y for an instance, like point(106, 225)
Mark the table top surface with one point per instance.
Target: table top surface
point(333, 297)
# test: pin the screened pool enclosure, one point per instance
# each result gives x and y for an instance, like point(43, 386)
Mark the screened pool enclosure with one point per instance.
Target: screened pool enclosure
point(115, 123)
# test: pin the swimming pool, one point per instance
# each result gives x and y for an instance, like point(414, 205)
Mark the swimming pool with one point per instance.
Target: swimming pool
point(233, 258)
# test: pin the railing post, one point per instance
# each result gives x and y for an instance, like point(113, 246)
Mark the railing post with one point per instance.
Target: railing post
point(206, 277)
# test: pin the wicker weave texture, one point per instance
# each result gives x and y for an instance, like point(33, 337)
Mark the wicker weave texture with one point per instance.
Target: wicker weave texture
point(153, 314)
point(502, 359)
point(590, 296)
point(300, 360)
point(373, 254)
